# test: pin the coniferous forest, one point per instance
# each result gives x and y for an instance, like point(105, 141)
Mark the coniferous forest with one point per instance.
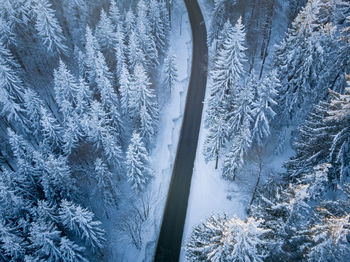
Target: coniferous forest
point(87, 95)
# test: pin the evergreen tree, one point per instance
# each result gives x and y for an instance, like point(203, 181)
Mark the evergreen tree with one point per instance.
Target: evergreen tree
point(120, 50)
point(71, 252)
point(143, 103)
point(12, 244)
point(65, 87)
point(226, 71)
point(240, 145)
point(45, 241)
point(146, 40)
point(330, 239)
point(51, 130)
point(158, 26)
point(80, 221)
point(105, 183)
point(137, 163)
point(48, 27)
point(171, 72)
point(105, 33)
point(324, 138)
point(215, 140)
point(114, 14)
point(125, 89)
point(263, 108)
point(222, 239)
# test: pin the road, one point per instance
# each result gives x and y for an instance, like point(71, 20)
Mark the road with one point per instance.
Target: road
point(170, 237)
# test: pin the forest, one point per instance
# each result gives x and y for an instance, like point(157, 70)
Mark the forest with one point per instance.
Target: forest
point(86, 87)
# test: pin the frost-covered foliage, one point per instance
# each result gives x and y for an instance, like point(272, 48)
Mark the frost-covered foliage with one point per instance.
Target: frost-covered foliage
point(224, 239)
point(137, 163)
point(312, 58)
point(71, 95)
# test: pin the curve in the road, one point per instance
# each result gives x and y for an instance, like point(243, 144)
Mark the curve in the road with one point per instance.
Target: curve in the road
point(170, 237)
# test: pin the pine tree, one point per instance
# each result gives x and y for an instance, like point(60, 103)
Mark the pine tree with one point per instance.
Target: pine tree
point(80, 221)
point(12, 244)
point(263, 108)
point(66, 88)
point(146, 40)
point(114, 14)
point(137, 163)
point(105, 183)
point(144, 98)
point(330, 239)
point(235, 158)
point(32, 105)
point(170, 71)
point(71, 252)
point(222, 239)
point(215, 140)
point(48, 27)
point(227, 70)
point(51, 130)
point(135, 54)
point(91, 48)
point(315, 146)
point(125, 89)
point(105, 33)
point(157, 26)
point(120, 50)
point(45, 241)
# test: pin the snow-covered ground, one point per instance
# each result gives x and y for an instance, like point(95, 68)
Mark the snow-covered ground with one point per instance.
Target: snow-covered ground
point(163, 154)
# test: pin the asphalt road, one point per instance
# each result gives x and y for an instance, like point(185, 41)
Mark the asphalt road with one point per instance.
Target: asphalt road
point(170, 237)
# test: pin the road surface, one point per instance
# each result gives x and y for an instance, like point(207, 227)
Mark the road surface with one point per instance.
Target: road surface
point(170, 237)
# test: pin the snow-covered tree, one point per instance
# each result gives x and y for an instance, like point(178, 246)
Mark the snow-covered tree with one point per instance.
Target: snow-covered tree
point(223, 239)
point(48, 27)
point(66, 87)
point(137, 163)
point(114, 13)
point(105, 183)
point(91, 48)
point(143, 103)
point(125, 89)
point(170, 71)
point(12, 244)
point(315, 146)
point(240, 145)
point(146, 40)
point(215, 140)
point(44, 238)
point(51, 130)
point(120, 50)
point(105, 33)
point(71, 252)
point(158, 26)
point(330, 241)
point(263, 111)
point(80, 221)
point(227, 71)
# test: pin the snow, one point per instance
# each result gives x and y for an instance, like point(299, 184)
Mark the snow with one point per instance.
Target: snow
point(163, 154)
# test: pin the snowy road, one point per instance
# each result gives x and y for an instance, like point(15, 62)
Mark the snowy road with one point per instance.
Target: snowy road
point(169, 242)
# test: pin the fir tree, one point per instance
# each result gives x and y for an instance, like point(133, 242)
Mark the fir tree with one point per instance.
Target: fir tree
point(105, 183)
point(48, 27)
point(105, 33)
point(222, 239)
point(171, 72)
point(235, 158)
point(263, 111)
point(137, 163)
point(80, 221)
